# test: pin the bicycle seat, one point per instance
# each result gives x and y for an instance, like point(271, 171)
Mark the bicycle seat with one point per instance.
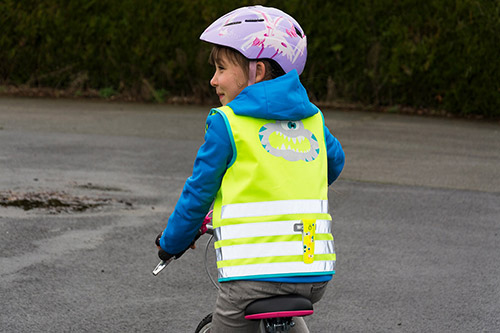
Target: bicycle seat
point(279, 306)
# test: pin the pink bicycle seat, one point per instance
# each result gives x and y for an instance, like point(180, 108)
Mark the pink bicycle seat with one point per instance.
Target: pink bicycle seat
point(279, 306)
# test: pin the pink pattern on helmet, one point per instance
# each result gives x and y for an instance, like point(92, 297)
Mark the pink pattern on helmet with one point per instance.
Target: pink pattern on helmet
point(261, 33)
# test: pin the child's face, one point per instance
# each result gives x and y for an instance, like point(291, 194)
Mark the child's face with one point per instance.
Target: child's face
point(229, 79)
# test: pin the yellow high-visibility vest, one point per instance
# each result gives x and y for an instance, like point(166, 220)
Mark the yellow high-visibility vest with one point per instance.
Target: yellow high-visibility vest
point(271, 212)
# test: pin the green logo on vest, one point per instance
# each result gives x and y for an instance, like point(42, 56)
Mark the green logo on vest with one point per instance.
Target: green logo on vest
point(290, 140)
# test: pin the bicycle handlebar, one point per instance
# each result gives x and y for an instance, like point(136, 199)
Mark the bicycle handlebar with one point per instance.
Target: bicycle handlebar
point(205, 228)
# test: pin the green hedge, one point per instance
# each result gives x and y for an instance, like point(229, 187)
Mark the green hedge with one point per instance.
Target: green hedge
point(440, 54)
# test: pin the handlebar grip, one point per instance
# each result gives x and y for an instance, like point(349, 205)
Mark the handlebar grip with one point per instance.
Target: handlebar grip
point(166, 258)
point(164, 255)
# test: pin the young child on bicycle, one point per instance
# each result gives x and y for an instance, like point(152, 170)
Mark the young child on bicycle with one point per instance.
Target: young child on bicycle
point(266, 164)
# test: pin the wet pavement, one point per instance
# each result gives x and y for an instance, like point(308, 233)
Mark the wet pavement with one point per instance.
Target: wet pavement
point(85, 186)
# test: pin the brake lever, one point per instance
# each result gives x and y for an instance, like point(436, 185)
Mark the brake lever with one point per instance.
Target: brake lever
point(161, 265)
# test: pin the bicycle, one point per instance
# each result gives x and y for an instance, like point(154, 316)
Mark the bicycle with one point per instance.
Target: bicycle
point(275, 313)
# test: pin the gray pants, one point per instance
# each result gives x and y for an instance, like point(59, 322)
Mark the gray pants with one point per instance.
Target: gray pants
point(234, 296)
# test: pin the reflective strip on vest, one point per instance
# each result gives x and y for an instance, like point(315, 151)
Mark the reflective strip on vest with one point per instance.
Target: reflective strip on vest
point(274, 228)
point(278, 269)
point(281, 207)
point(261, 250)
point(248, 257)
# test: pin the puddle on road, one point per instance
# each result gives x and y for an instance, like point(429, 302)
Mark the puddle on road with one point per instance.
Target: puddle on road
point(56, 202)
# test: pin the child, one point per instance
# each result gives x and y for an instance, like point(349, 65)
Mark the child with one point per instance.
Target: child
point(267, 161)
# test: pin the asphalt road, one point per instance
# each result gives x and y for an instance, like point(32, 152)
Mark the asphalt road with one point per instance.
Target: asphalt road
point(416, 210)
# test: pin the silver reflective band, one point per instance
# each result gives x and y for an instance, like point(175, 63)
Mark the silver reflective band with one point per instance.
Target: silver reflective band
point(244, 251)
point(281, 207)
point(288, 268)
point(260, 229)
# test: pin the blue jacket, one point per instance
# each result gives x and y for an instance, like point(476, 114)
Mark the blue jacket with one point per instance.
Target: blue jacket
point(283, 98)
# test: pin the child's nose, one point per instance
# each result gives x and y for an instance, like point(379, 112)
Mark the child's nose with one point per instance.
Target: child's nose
point(213, 81)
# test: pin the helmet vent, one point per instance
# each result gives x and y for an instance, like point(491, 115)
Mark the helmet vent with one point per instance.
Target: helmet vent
point(255, 20)
point(298, 32)
point(232, 23)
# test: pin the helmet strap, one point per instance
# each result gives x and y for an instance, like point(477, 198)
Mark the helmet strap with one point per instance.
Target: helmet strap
point(252, 72)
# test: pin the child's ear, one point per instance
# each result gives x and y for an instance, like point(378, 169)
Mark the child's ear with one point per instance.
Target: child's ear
point(260, 72)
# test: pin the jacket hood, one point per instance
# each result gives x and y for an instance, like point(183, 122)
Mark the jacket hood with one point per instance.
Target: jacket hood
point(283, 98)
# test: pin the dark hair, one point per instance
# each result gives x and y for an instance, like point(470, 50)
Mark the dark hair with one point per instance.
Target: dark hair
point(273, 69)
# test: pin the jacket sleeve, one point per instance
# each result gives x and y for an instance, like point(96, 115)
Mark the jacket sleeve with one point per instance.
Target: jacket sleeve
point(336, 156)
point(200, 189)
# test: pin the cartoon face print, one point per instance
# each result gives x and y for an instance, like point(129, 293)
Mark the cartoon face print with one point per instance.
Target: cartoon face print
point(290, 140)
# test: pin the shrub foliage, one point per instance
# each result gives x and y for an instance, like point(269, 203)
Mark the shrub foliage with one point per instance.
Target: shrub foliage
point(440, 54)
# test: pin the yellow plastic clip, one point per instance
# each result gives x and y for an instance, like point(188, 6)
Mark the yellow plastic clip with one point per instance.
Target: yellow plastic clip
point(308, 233)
